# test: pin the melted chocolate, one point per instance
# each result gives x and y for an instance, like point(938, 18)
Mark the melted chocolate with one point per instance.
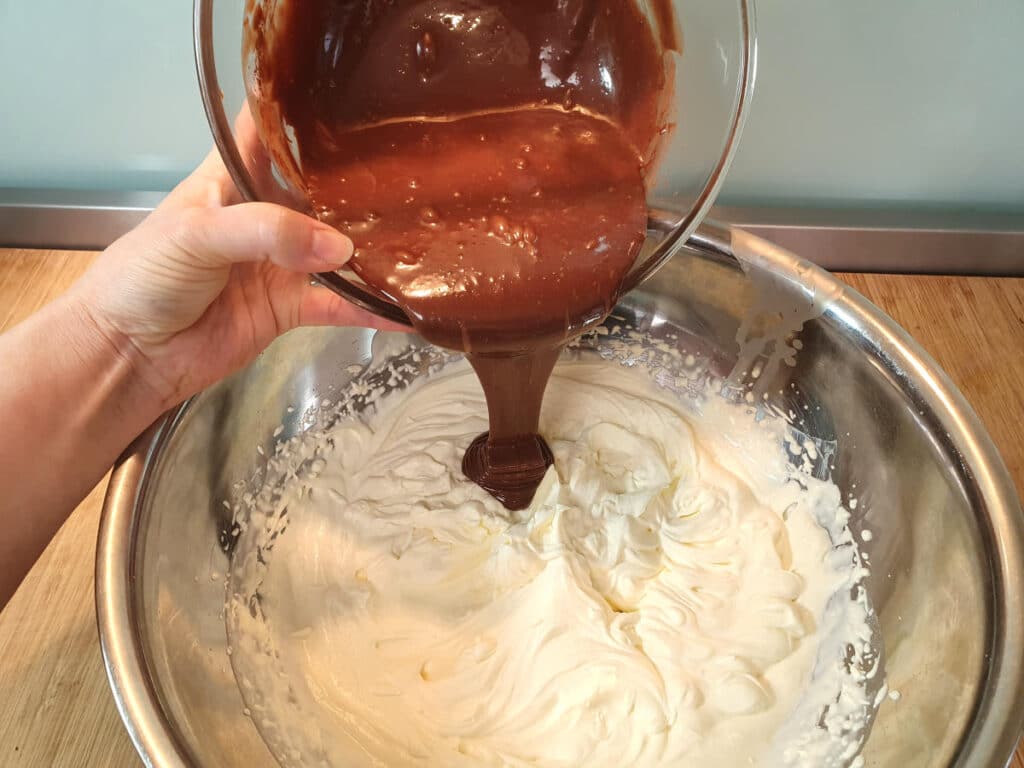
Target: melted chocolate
point(487, 159)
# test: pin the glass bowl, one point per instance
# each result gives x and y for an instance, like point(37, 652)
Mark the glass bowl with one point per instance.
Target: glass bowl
point(713, 78)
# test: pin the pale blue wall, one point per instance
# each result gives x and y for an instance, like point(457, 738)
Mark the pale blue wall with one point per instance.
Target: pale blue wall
point(906, 103)
point(98, 95)
point(917, 102)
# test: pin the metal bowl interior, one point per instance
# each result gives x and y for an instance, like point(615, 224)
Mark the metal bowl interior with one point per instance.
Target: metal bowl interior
point(947, 552)
point(714, 79)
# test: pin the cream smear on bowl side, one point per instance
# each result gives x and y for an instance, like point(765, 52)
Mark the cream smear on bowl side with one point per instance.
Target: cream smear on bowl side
point(680, 592)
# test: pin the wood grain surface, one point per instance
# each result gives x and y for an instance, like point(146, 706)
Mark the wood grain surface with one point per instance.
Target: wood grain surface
point(55, 707)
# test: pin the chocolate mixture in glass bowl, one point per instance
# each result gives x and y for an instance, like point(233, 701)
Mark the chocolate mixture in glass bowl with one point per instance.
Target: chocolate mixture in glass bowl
point(488, 160)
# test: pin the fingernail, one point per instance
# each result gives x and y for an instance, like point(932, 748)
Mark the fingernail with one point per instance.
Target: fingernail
point(331, 247)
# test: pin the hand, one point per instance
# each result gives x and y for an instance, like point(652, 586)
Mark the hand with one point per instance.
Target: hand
point(205, 284)
point(193, 294)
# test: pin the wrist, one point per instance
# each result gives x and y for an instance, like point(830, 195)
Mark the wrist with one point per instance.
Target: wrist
point(126, 388)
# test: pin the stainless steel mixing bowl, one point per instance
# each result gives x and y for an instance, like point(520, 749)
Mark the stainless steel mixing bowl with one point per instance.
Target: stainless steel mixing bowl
point(947, 552)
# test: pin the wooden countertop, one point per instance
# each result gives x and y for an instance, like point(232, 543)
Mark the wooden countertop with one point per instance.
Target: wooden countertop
point(55, 707)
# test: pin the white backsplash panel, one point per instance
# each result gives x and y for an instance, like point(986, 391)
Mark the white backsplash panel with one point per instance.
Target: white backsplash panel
point(912, 104)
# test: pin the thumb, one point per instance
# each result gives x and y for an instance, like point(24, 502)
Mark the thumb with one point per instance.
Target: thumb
point(260, 232)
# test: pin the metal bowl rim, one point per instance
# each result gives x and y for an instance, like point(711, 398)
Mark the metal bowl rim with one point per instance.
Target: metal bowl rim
point(989, 739)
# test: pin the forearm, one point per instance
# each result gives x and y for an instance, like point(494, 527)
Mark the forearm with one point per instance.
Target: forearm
point(70, 402)
point(191, 295)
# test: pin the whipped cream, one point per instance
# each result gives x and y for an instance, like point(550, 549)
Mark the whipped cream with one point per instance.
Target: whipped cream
point(678, 593)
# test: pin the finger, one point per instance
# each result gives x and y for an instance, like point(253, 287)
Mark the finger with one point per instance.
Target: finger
point(297, 302)
point(254, 153)
point(261, 168)
point(320, 306)
point(246, 135)
point(208, 186)
point(260, 232)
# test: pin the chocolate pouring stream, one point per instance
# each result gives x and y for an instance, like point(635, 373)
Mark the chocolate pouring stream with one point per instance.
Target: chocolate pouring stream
point(488, 159)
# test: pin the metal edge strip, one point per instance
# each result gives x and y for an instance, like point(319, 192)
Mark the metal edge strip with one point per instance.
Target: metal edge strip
point(838, 240)
point(70, 219)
